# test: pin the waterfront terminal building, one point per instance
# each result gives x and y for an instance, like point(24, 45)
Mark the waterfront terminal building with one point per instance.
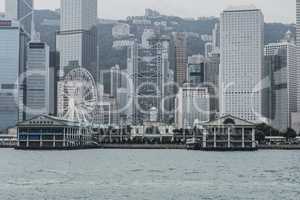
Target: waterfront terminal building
point(48, 132)
point(227, 133)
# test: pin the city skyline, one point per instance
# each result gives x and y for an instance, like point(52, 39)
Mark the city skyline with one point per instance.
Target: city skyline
point(274, 13)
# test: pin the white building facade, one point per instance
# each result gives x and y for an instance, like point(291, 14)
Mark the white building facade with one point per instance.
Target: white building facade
point(76, 40)
point(242, 44)
point(192, 106)
point(78, 14)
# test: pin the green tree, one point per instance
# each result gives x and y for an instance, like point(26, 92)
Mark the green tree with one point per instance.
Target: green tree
point(264, 128)
point(290, 134)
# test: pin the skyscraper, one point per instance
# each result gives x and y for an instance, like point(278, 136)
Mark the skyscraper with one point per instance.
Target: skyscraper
point(211, 79)
point(12, 64)
point(37, 80)
point(281, 68)
point(242, 44)
point(76, 42)
point(77, 39)
point(204, 72)
point(78, 14)
point(20, 10)
point(298, 51)
point(148, 71)
point(180, 44)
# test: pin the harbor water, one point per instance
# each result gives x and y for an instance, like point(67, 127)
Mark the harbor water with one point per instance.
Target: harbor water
point(149, 174)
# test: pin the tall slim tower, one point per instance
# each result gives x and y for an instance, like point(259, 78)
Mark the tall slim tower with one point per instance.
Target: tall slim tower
point(298, 52)
point(76, 42)
point(12, 66)
point(242, 57)
point(20, 10)
point(281, 68)
point(38, 79)
point(77, 39)
point(180, 57)
point(148, 71)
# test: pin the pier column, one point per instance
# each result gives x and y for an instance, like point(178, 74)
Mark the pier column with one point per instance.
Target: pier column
point(121, 136)
point(253, 138)
point(64, 138)
point(27, 141)
point(204, 139)
point(41, 140)
point(228, 139)
point(243, 137)
point(110, 136)
point(215, 138)
point(54, 141)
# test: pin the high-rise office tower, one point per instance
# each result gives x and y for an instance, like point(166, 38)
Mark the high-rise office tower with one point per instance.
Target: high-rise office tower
point(180, 43)
point(12, 65)
point(148, 71)
point(281, 71)
point(132, 70)
point(20, 10)
point(298, 51)
point(37, 80)
point(204, 72)
point(78, 14)
point(77, 39)
point(211, 79)
point(76, 42)
point(242, 57)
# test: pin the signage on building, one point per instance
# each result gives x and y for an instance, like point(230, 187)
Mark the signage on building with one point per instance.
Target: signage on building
point(5, 23)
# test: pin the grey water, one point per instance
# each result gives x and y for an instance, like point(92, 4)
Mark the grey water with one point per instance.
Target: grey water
point(148, 174)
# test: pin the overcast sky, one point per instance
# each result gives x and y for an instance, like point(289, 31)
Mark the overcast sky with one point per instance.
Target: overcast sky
point(274, 10)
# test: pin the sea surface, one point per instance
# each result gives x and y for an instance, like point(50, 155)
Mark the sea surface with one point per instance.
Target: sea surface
point(149, 174)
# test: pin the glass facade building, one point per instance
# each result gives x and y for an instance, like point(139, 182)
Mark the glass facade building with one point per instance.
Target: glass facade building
point(281, 71)
point(12, 64)
point(37, 80)
point(20, 10)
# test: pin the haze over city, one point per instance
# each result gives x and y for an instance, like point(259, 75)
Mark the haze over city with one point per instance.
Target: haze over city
point(116, 9)
point(131, 99)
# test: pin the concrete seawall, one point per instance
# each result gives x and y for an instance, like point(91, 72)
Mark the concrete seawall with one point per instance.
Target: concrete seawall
point(279, 147)
point(142, 146)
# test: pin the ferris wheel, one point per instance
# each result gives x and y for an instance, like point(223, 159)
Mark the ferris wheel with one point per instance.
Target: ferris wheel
point(80, 96)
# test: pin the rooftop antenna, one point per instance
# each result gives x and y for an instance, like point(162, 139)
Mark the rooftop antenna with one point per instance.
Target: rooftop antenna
point(35, 36)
